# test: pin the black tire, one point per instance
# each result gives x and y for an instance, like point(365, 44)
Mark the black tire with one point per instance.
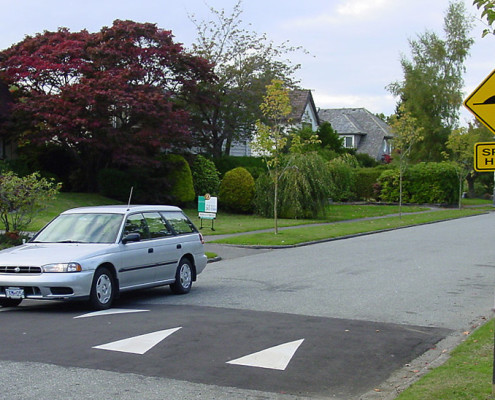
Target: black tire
point(6, 302)
point(183, 277)
point(102, 289)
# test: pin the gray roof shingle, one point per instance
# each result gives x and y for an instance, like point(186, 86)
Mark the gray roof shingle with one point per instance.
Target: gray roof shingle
point(359, 121)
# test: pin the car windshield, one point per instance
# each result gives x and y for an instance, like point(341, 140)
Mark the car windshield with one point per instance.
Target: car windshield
point(81, 228)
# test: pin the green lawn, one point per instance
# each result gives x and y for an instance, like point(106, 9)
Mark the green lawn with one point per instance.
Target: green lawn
point(466, 375)
point(226, 223)
point(320, 232)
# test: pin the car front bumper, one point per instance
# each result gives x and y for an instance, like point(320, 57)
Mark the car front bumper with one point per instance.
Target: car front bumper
point(49, 285)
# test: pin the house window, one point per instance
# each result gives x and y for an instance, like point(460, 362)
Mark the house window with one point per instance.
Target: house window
point(348, 142)
point(387, 146)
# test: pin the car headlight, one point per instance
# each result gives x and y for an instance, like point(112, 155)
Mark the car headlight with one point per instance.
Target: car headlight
point(62, 267)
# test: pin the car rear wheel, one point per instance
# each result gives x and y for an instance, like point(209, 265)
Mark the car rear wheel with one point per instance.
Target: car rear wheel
point(102, 289)
point(5, 302)
point(183, 277)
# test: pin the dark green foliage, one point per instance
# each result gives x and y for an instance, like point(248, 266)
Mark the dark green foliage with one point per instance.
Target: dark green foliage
point(205, 176)
point(364, 182)
point(424, 183)
point(365, 160)
point(180, 177)
point(237, 190)
point(255, 165)
point(115, 184)
point(264, 195)
point(149, 186)
point(342, 178)
point(329, 138)
point(305, 186)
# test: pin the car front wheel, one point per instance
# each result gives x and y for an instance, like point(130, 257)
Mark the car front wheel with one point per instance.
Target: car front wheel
point(183, 278)
point(102, 289)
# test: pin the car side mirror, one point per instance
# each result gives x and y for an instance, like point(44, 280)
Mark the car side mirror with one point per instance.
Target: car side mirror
point(131, 237)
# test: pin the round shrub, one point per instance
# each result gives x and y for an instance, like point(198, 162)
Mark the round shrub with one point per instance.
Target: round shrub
point(237, 190)
point(206, 178)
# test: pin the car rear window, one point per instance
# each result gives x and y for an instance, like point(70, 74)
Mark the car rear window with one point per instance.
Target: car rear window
point(179, 222)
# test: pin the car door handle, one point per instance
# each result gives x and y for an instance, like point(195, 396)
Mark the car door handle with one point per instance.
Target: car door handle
point(150, 250)
point(179, 246)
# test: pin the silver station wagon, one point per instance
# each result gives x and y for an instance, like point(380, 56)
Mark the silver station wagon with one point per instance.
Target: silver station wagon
point(95, 253)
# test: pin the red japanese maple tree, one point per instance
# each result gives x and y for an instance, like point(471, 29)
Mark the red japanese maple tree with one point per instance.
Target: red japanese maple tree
point(115, 97)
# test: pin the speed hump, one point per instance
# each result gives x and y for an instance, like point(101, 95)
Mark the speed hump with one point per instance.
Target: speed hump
point(482, 102)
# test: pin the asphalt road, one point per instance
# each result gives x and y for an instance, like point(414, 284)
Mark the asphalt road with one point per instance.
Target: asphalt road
point(332, 320)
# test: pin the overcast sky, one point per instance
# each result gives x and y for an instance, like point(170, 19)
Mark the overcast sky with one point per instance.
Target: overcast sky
point(355, 45)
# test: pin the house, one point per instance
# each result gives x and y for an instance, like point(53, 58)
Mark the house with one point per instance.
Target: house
point(360, 130)
point(303, 113)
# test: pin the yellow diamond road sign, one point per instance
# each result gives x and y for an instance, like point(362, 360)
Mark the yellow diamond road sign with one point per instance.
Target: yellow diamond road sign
point(482, 102)
point(484, 156)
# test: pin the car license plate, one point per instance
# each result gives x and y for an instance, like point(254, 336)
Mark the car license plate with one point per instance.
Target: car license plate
point(14, 293)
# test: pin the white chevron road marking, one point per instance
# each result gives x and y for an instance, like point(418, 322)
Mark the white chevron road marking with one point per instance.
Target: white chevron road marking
point(138, 344)
point(277, 357)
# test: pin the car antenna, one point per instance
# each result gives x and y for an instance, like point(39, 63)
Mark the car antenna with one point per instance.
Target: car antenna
point(130, 197)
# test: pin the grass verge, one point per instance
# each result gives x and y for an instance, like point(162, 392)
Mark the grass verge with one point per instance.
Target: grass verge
point(321, 232)
point(467, 374)
point(227, 223)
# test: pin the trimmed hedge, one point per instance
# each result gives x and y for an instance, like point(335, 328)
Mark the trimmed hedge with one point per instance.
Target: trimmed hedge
point(423, 183)
point(365, 180)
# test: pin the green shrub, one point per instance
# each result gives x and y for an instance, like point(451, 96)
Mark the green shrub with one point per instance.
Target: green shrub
point(389, 186)
point(237, 190)
point(180, 177)
point(424, 183)
point(205, 175)
point(366, 161)
point(255, 165)
point(342, 178)
point(304, 187)
point(364, 182)
point(263, 195)
point(434, 183)
point(22, 198)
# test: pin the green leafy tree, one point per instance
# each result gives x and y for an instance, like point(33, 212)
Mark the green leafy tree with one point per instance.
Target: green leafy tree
point(271, 138)
point(244, 63)
point(460, 145)
point(432, 87)
point(21, 198)
point(488, 12)
point(406, 134)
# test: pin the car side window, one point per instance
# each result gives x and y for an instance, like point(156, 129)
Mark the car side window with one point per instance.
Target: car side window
point(136, 223)
point(179, 222)
point(156, 225)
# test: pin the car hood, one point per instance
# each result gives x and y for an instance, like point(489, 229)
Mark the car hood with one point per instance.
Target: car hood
point(38, 254)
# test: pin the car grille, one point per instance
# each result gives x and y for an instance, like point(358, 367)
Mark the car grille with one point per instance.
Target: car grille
point(19, 270)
